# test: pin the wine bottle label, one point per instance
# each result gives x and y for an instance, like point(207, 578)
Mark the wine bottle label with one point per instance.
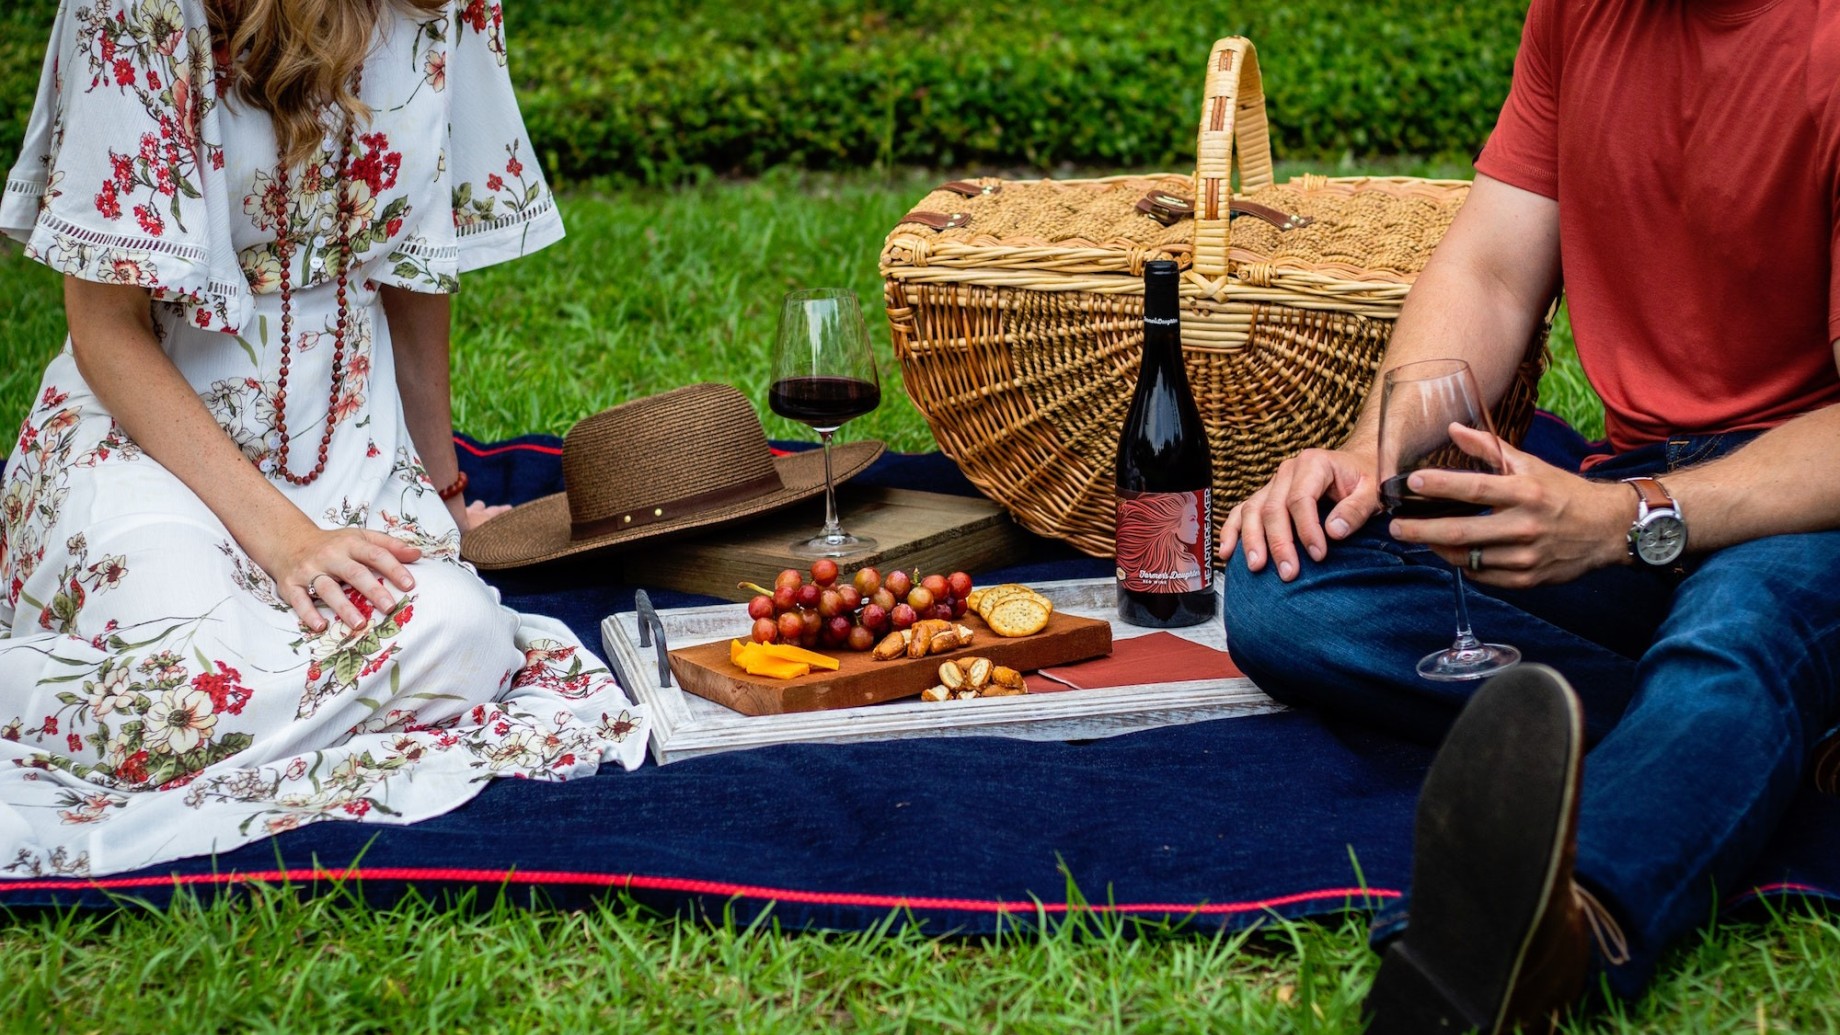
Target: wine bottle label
point(1165, 541)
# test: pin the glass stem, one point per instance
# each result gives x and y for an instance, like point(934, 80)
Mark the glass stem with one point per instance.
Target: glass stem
point(1466, 640)
point(832, 531)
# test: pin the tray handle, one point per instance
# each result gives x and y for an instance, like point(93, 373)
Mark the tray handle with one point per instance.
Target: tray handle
point(1233, 127)
point(649, 625)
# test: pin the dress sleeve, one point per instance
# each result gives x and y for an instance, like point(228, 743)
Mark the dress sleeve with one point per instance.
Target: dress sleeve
point(121, 177)
point(500, 207)
point(1524, 148)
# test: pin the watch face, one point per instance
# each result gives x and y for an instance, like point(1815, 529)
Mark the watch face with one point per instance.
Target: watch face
point(1662, 540)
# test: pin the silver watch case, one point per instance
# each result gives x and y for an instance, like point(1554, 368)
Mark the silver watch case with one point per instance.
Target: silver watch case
point(1658, 538)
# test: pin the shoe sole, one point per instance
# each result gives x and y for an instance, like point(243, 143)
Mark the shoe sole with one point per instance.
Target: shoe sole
point(1493, 822)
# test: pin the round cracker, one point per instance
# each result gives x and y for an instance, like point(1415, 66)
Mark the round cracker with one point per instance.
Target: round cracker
point(997, 594)
point(1020, 615)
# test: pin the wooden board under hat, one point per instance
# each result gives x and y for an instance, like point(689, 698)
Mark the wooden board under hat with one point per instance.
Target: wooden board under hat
point(927, 531)
point(706, 670)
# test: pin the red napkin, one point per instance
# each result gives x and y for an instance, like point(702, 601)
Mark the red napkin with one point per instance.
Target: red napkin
point(1158, 657)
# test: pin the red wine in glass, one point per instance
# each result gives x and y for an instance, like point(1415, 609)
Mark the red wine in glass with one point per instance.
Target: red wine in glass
point(1419, 403)
point(1402, 502)
point(822, 401)
point(824, 376)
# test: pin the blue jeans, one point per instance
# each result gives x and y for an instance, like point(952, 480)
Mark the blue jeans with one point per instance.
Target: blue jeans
point(1703, 692)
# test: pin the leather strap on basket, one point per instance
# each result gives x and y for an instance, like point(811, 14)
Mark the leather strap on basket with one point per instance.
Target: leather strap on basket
point(1279, 219)
point(1170, 209)
point(972, 188)
point(937, 220)
point(1232, 113)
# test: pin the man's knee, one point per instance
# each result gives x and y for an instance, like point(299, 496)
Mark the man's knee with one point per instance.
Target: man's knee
point(1268, 630)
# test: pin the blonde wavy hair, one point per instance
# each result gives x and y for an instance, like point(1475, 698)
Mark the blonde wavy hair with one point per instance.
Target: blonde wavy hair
point(294, 58)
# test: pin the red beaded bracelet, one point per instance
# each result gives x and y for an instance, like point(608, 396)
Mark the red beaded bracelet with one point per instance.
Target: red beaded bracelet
point(455, 489)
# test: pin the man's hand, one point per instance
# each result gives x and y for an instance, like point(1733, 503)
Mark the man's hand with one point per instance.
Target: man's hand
point(1274, 519)
point(1547, 525)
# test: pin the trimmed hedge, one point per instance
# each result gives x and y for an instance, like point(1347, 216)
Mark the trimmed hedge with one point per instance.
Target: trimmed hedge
point(664, 90)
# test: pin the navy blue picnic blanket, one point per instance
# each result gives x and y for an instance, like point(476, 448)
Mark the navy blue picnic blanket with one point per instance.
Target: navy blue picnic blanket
point(1215, 824)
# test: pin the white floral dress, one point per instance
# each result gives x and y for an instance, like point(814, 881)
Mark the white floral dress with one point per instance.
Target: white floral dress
point(157, 700)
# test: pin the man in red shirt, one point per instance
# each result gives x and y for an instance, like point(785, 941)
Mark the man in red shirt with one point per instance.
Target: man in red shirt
point(1679, 161)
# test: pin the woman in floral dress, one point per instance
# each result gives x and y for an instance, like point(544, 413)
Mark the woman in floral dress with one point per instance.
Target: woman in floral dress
point(231, 599)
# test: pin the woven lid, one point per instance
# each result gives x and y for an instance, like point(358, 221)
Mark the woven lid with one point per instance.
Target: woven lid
point(1065, 213)
point(1358, 228)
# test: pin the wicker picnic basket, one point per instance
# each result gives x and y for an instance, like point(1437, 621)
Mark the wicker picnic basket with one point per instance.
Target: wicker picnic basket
point(1016, 311)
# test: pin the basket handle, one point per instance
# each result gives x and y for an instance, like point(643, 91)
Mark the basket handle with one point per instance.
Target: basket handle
point(1232, 112)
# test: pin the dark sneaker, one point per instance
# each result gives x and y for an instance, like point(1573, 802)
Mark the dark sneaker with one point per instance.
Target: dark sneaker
point(1498, 933)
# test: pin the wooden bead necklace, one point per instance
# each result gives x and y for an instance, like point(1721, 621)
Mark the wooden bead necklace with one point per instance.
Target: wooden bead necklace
point(284, 251)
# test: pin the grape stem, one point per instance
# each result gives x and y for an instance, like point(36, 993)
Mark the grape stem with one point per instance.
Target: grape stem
point(757, 589)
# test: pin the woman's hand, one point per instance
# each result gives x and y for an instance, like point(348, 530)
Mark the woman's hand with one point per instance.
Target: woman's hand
point(1266, 522)
point(473, 514)
point(1547, 525)
point(320, 563)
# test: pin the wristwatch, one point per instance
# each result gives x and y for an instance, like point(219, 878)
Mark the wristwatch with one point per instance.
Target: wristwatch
point(1659, 535)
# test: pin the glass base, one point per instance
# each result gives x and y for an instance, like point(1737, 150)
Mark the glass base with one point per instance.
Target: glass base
point(1453, 664)
point(843, 544)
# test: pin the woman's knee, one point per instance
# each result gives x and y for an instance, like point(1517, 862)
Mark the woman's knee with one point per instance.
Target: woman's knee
point(453, 608)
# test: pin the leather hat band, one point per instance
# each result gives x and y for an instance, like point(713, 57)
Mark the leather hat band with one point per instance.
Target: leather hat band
point(638, 517)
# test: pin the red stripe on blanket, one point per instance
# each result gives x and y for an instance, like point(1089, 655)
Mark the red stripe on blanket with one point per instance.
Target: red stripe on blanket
point(685, 885)
point(530, 447)
point(1782, 888)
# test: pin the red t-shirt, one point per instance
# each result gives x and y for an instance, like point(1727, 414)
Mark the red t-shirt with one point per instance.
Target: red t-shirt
point(1694, 149)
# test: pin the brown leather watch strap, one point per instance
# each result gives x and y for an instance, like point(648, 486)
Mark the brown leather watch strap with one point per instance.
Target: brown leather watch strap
point(1651, 493)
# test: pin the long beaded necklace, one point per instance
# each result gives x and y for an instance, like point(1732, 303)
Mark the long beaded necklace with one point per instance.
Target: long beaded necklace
point(284, 251)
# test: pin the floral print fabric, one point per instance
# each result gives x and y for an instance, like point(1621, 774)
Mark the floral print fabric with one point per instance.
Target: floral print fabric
point(157, 699)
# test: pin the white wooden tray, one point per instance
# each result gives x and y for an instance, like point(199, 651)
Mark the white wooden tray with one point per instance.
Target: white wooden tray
point(685, 726)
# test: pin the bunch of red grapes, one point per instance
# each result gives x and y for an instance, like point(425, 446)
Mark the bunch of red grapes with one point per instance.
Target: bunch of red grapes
point(854, 614)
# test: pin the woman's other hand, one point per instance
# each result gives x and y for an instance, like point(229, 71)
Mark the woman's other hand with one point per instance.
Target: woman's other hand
point(473, 514)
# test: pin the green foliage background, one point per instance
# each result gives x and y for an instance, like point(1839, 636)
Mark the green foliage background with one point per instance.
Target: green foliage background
point(660, 91)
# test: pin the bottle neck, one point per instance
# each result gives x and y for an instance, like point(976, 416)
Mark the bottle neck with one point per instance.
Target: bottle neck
point(1162, 321)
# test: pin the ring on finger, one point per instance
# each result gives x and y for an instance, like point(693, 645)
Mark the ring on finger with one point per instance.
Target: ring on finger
point(314, 593)
point(1475, 558)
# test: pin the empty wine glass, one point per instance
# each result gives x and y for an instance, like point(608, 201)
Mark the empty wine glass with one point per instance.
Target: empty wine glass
point(1418, 404)
point(824, 376)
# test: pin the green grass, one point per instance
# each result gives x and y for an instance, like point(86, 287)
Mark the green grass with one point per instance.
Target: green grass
point(274, 963)
point(653, 289)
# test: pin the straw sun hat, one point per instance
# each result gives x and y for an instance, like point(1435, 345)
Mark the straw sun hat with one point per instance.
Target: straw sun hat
point(666, 464)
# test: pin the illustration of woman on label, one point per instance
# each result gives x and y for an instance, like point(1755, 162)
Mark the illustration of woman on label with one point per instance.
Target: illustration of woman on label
point(1159, 547)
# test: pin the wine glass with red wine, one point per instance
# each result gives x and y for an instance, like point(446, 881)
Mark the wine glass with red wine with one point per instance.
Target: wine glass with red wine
point(824, 376)
point(1418, 404)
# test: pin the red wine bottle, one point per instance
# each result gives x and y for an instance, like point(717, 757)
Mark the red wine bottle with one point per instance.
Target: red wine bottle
point(1165, 532)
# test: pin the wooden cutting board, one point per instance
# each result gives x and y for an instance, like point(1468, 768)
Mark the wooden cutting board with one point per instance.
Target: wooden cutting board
point(706, 670)
point(918, 531)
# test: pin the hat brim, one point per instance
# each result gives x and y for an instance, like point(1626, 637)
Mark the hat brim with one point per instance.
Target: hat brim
point(539, 531)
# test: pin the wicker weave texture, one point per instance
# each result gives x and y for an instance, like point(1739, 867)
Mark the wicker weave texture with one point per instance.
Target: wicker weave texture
point(1019, 333)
